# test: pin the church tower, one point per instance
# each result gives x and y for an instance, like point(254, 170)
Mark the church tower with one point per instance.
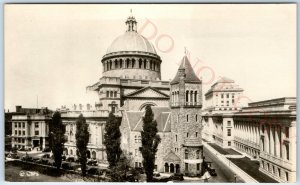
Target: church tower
point(186, 104)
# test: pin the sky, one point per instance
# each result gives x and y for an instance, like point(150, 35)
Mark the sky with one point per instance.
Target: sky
point(53, 52)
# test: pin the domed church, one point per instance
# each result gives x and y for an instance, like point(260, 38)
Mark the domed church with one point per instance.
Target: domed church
point(131, 80)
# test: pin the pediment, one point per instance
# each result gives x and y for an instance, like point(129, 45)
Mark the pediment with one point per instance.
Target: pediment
point(147, 92)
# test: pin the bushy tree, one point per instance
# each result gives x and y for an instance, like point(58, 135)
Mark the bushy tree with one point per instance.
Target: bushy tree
point(112, 140)
point(57, 138)
point(150, 141)
point(82, 139)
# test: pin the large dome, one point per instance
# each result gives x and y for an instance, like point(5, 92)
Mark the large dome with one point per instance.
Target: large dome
point(131, 41)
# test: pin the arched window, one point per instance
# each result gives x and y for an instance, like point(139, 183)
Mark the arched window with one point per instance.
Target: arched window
point(195, 99)
point(198, 154)
point(191, 98)
point(107, 94)
point(187, 97)
point(71, 152)
point(116, 64)
point(110, 65)
point(196, 117)
point(127, 63)
point(111, 93)
point(121, 63)
point(151, 64)
point(115, 94)
point(145, 64)
point(187, 118)
point(133, 63)
point(140, 63)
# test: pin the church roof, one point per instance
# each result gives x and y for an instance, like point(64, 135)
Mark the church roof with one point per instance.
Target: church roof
point(189, 74)
point(147, 92)
point(161, 116)
point(171, 157)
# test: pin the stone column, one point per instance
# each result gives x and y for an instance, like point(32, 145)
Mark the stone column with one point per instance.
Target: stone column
point(271, 140)
point(100, 134)
point(44, 143)
point(277, 142)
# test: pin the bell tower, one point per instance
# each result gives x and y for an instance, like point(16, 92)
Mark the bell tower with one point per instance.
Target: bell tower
point(186, 104)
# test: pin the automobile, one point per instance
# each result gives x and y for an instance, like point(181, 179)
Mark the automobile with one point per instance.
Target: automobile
point(156, 174)
point(13, 156)
point(92, 163)
point(94, 171)
point(140, 170)
point(177, 177)
point(27, 158)
point(161, 179)
point(70, 159)
point(212, 172)
point(46, 156)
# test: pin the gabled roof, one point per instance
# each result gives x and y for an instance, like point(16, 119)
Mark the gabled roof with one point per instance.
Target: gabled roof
point(148, 92)
point(161, 115)
point(189, 74)
point(171, 157)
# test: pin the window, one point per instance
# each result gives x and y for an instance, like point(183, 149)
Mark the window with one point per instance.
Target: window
point(279, 172)
point(19, 132)
point(107, 94)
point(227, 96)
point(187, 134)
point(229, 143)
point(222, 95)
point(287, 152)
point(23, 124)
point(273, 169)
point(229, 123)
point(187, 118)
point(16, 132)
point(36, 132)
point(23, 132)
point(232, 100)
point(111, 93)
point(228, 132)
point(16, 125)
point(198, 154)
point(263, 128)
point(286, 176)
point(196, 117)
point(115, 94)
point(23, 140)
point(186, 153)
point(196, 134)
point(198, 166)
point(268, 167)
point(176, 137)
point(287, 132)
point(186, 166)
point(19, 124)
point(36, 125)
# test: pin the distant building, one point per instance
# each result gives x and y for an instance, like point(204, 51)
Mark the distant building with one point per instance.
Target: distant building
point(30, 128)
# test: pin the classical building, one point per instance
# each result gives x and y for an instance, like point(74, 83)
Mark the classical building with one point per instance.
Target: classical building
point(267, 130)
point(221, 100)
point(264, 131)
point(30, 128)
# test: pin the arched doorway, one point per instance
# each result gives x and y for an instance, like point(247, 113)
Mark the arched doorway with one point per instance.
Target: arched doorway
point(172, 168)
point(166, 167)
point(94, 155)
point(88, 154)
point(177, 168)
point(65, 151)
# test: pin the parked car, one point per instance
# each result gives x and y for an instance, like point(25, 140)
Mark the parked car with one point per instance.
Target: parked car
point(161, 179)
point(70, 159)
point(156, 174)
point(212, 172)
point(92, 163)
point(94, 171)
point(177, 177)
point(13, 156)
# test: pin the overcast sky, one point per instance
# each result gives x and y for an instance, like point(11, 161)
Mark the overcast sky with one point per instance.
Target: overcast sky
point(54, 51)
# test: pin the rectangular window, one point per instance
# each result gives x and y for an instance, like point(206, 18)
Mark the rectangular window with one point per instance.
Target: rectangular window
point(23, 124)
point(287, 152)
point(140, 164)
point(279, 172)
point(23, 140)
point(36, 125)
point(186, 166)
point(176, 137)
point(16, 125)
point(19, 132)
point(36, 132)
point(23, 132)
point(227, 96)
point(107, 94)
point(229, 143)
point(222, 95)
point(187, 134)
point(229, 123)
point(196, 134)
point(273, 169)
point(187, 118)
point(228, 132)
point(16, 132)
point(136, 164)
point(198, 166)
point(19, 125)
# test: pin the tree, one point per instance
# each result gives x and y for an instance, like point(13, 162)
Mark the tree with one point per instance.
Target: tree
point(150, 141)
point(112, 140)
point(57, 138)
point(82, 138)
